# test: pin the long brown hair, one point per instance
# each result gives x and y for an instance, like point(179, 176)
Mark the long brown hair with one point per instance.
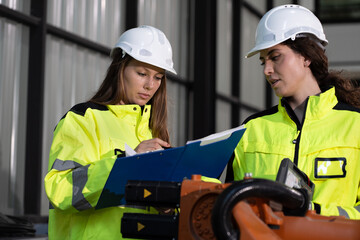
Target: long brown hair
point(345, 89)
point(112, 91)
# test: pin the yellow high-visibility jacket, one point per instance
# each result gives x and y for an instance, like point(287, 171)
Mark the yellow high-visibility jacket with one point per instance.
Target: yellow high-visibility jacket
point(85, 145)
point(326, 146)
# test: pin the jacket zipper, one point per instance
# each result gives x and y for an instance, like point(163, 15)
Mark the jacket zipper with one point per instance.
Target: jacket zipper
point(299, 125)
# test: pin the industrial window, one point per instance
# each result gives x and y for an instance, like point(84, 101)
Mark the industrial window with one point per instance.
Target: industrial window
point(339, 11)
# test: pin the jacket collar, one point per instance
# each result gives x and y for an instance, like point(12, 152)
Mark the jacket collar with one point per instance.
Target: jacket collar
point(317, 106)
point(131, 110)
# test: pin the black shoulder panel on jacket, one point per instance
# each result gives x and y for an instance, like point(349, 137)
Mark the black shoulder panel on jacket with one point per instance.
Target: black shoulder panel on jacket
point(269, 111)
point(82, 107)
point(347, 107)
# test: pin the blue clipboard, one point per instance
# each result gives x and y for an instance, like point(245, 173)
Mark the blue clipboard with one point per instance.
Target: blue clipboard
point(173, 164)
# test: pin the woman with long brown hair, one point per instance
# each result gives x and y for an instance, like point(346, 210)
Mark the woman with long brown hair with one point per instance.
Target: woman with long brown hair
point(130, 108)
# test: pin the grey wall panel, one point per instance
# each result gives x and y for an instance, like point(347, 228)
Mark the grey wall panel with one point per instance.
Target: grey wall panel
point(252, 85)
point(343, 43)
point(224, 47)
point(13, 90)
point(98, 20)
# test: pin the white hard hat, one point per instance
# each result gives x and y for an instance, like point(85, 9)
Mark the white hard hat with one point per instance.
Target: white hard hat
point(147, 44)
point(284, 22)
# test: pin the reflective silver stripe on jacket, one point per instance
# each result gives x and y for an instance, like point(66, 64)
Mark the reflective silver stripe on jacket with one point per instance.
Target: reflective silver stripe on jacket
point(80, 177)
point(342, 212)
point(61, 165)
point(357, 208)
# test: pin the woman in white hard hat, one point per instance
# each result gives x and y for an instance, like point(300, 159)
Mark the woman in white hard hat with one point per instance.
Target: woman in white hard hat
point(129, 108)
point(316, 123)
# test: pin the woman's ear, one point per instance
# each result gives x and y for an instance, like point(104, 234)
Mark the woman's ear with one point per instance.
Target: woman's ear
point(307, 63)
